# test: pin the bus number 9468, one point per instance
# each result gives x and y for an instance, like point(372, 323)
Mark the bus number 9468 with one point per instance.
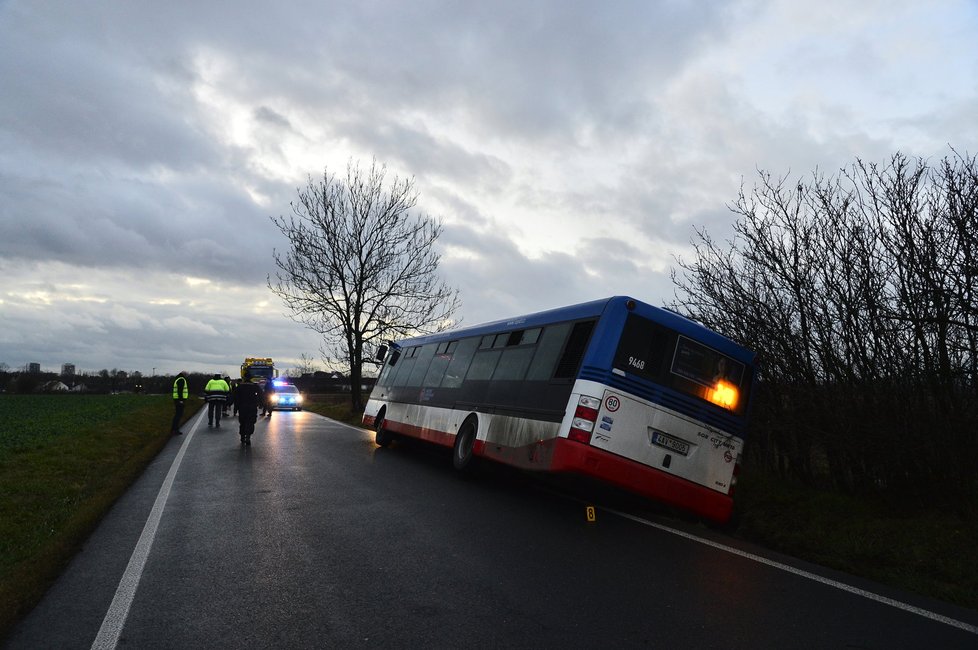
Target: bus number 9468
point(636, 363)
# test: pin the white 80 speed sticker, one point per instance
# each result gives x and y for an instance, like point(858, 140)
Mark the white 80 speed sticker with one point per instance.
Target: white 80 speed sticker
point(612, 403)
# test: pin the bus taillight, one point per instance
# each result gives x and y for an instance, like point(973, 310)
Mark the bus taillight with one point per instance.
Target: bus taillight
point(585, 416)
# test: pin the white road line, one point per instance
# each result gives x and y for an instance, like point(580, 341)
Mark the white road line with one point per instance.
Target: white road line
point(115, 617)
point(967, 627)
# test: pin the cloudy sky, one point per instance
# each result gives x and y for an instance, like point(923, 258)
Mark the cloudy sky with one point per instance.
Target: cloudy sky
point(569, 147)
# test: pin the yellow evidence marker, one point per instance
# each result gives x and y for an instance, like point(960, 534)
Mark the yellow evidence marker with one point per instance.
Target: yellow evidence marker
point(591, 514)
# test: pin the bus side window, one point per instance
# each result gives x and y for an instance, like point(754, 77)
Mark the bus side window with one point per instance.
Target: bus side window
point(482, 365)
point(404, 368)
point(517, 355)
point(577, 342)
point(421, 364)
point(548, 349)
point(459, 364)
point(439, 364)
point(385, 374)
point(530, 336)
point(513, 363)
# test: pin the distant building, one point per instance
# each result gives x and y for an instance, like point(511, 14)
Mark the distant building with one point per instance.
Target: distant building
point(54, 387)
point(67, 369)
point(34, 368)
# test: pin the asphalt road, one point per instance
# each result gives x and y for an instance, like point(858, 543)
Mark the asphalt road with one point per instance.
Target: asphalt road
point(315, 538)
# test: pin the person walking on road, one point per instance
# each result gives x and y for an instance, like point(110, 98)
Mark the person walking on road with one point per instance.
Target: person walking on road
point(230, 395)
point(268, 396)
point(181, 392)
point(216, 393)
point(247, 399)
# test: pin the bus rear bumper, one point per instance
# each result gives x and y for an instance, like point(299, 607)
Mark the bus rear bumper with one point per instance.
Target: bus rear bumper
point(574, 457)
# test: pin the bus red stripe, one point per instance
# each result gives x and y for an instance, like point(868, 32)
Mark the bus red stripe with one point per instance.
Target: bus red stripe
point(431, 435)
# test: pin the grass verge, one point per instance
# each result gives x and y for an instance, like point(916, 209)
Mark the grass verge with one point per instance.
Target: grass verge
point(336, 407)
point(921, 549)
point(64, 460)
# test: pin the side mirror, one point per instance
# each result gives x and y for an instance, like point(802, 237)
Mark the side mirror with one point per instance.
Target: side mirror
point(381, 353)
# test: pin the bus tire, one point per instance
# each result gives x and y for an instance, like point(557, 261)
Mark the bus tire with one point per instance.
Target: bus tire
point(463, 450)
point(382, 436)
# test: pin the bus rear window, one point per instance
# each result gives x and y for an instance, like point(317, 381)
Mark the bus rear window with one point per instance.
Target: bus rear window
point(659, 354)
point(642, 348)
point(705, 365)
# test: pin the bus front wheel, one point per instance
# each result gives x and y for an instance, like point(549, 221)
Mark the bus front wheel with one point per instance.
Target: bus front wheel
point(462, 452)
point(382, 436)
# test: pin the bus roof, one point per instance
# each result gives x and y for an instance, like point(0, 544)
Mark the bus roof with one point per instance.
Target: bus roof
point(593, 309)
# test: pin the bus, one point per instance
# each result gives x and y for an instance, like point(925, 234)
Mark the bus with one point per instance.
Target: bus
point(615, 389)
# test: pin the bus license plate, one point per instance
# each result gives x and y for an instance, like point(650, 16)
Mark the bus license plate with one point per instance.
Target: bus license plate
point(670, 443)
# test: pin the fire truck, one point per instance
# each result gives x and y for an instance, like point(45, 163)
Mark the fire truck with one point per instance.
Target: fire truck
point(261, 369)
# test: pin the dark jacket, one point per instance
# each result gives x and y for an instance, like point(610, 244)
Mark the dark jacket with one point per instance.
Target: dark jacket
point(248, 397)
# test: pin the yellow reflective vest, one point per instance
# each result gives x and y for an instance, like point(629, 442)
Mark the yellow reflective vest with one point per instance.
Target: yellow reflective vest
point(180, 390)
point(217, 390)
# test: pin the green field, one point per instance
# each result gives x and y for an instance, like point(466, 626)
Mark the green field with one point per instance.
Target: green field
point(33, 421)
point(64, 459)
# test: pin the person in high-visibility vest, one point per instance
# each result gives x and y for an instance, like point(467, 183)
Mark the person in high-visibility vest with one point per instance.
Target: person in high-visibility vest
point(216, 392)
point(181, 391)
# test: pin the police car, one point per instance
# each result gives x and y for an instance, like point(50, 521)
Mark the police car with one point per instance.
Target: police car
point(286, 397)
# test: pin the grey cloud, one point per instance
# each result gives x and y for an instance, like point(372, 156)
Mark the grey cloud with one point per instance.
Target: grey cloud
point(503, 282)
point(70, 98)
point(505, 70)
point(501, 279)
point(114, 328)
point(204, 230)
point(427, 155)
point(553, 65)
point(268, 116)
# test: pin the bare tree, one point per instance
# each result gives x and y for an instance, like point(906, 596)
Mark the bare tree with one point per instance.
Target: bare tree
point(859, 293)
point(362, 268)
point(306, 366)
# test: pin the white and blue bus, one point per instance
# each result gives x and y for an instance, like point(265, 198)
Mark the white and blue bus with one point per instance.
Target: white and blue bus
point(615, 389)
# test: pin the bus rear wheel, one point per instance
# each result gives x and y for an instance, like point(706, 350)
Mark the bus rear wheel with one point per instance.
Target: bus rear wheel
point(462, 452)
point(382, 436)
